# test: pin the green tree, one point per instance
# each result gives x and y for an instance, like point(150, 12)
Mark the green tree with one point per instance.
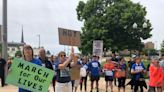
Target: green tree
point(149, 52)
point(18, 53)
point(112, 21)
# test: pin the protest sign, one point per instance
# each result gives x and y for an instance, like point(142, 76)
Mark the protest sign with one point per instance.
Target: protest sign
point(97, 47)
point(69, 37)
point(75, 73)
point(29, 76)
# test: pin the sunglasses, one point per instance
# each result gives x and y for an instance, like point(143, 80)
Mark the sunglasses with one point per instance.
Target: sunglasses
point(62, 55)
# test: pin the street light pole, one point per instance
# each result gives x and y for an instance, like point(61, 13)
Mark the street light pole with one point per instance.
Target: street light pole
point(135, 26)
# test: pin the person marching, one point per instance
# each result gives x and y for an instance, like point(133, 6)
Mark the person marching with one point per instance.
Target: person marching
point(94, 69)
point(130, 64)
point(156, 76)
point(2, 70)
point(138, 69)
point(44, 59)
point(45, 62)
point(63, 78)
point(28, 56)
point(76, 81)
point(108, 69)
point(84, 74)
point(162, 65)
point(52, 60)
point(115, 60)
point(122, 67)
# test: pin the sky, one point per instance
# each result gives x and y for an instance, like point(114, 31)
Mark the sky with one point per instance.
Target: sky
point(43, 17)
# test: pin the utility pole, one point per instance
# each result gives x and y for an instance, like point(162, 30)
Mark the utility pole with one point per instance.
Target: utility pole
point(4, 30)
point(4, 34)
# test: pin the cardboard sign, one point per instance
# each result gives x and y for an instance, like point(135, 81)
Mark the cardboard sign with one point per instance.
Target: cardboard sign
point(97, 47)
point(69, 37)
point(75, 73)
point(29, 76)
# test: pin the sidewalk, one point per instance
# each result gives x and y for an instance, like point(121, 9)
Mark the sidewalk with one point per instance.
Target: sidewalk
point(10, 88)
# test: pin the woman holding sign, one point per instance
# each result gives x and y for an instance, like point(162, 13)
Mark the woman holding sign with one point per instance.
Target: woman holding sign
point(63, 72)
point(28, 56)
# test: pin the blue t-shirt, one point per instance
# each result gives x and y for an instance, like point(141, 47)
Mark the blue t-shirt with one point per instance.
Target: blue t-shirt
point(138, 67)
point(94, 68)
point(37, 62)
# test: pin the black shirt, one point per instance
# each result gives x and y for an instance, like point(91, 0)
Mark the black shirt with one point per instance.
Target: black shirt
point(114, 59)
point(63, 75)
point(2, 65)
point(130, 63)
point(47, 63)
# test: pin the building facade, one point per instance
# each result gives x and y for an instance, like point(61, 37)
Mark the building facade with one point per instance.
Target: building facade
point(149, 45)
point(13, 47)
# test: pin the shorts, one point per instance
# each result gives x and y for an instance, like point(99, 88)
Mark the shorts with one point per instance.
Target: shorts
point(108, 78)
point(121, 82)
point(95, 78)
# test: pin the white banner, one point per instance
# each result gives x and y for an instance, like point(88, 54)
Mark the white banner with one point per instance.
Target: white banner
point(98, 48)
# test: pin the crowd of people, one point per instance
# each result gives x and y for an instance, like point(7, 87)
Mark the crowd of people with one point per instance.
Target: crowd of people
point(114, 69)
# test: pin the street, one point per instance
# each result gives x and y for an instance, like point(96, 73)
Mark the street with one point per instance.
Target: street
point(11, 88)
